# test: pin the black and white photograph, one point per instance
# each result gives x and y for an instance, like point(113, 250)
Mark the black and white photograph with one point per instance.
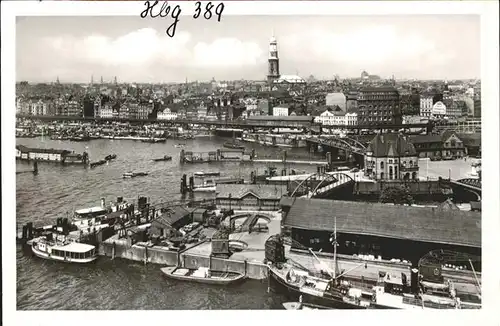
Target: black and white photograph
point(316, 161)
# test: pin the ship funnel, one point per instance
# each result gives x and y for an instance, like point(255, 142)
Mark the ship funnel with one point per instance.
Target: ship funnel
point(103, 202)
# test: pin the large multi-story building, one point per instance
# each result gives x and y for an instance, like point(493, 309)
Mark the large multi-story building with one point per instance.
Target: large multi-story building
point(38, 108)
point(438, 110)
point(133, 109)
point(88, 107)
point(352, 102)
point(351, 119)
point(73, 109)
point(379, 106)
point(97, 106)
point(426, 103)
point(167, 114)
point(337, 118)
point(123, 113)
point(477, 106)
point(281, 111)
point(331, 118)
point(144, 110)
point(391, 157)
point(106, 111)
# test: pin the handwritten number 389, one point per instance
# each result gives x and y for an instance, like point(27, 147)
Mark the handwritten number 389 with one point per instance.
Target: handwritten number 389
point(208, 10)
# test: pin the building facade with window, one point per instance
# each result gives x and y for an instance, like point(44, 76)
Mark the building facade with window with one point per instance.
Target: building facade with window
point(438, 110)
point(426, 104)
point(379, 106)
point(281, 111)
point(391, 157)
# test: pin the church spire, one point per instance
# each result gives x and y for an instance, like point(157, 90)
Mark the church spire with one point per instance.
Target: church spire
point(273, 61)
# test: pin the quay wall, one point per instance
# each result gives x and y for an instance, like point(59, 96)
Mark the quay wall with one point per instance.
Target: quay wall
point(253, 270)
point(151, 255)
point(163, 256)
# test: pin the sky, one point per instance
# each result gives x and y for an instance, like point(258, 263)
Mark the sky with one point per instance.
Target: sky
point(139, 50)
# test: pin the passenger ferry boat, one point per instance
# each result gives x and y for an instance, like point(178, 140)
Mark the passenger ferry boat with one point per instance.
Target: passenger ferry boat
point(64, 251)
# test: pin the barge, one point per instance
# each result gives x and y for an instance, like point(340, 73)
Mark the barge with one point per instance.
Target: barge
point(61, 156)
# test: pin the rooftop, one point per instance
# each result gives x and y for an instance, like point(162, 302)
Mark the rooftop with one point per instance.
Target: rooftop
point(172, 215)
point(292, 79)
point(285, 118)
point(425, 139)
point(378, 89)
point(259, 191)
point(74, 247)
point(25, 149)
point(391, 145)
point(427, 224)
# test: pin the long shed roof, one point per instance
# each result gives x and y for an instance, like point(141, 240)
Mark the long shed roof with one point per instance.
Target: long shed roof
point(428, 224)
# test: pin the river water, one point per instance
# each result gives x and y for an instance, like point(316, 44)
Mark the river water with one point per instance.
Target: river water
point(119, 284)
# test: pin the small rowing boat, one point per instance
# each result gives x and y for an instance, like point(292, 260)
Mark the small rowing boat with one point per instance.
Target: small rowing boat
point(128, 175)
point(154, 140)
point(202, 275)
point(302, 306)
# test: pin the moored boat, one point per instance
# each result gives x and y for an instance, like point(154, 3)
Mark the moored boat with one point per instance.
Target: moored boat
point(180, 145)
point(164, 158)
point(202, 275)
point(318, 291)
point(206, 174)
point(302, 306)
point(127, 175)
point(233, 145)
point(110, 157)
point(194, 159)
point(90, 212)
point(64, 251)
point(154, 140)
point(332, 291)
point(101, 162)
point(79, 138)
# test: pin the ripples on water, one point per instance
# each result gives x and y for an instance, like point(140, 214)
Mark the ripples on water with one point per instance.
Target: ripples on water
point(119, 284)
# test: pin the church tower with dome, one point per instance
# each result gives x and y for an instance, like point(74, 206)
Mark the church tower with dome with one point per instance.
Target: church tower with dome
point(273, 62)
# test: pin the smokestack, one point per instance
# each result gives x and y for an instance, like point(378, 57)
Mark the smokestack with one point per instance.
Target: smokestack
point(103, 202)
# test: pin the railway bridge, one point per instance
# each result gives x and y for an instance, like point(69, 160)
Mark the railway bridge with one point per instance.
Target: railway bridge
point(346, 147)
point(469, 184)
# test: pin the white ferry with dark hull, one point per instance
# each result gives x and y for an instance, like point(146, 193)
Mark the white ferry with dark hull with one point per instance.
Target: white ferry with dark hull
point(64, 251)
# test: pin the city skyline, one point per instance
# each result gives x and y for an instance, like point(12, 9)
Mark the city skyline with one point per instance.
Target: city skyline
point(138, 50)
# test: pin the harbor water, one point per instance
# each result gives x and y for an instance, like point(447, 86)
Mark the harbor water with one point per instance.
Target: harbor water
point(57, 191)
